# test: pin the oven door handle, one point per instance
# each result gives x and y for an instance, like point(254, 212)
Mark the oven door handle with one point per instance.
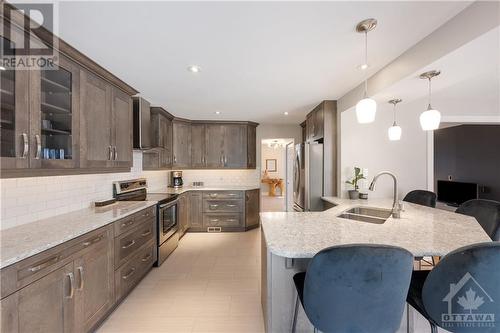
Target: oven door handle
point(171, 203)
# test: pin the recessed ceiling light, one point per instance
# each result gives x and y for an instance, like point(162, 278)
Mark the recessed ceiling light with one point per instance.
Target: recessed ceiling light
point(194, 69)
point(2, 68)
point(285, 113)
point(217, 112)
point(363, 66)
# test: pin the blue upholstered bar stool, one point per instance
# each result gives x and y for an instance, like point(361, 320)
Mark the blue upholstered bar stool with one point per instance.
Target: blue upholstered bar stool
point(355, 288)
point(466, 281)
point(421, 197)
point(486, 212)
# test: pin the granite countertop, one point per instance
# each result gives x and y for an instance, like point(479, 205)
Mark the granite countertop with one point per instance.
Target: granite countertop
point(171, 190)
point(26, 240)
point(421, 230)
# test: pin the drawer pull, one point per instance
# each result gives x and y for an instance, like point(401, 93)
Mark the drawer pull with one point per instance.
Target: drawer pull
point(213, 195)
point(146, 258)
point(131, 243)
point(93, 241)
point(232, 194)
point(231, 205)
point(213, 206)
point(231, 220)
point(144, 234)
point(71, 285)
point(129, 274)
point(44, 264)
point(214, 220)
point(126, 224)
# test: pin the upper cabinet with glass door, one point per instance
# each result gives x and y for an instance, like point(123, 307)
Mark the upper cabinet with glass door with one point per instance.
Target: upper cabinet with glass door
point(14, 114)
point(55, 124)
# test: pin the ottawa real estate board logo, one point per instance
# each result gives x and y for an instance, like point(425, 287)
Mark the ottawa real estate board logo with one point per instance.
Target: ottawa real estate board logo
point(469, 305)
point(25, 41)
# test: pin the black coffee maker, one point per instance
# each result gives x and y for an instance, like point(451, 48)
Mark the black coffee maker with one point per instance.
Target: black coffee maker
point(176, 179)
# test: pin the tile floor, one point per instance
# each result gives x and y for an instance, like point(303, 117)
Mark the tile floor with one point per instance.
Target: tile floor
point(211, 283)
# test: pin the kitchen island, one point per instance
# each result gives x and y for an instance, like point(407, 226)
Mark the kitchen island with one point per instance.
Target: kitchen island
point(291, 239)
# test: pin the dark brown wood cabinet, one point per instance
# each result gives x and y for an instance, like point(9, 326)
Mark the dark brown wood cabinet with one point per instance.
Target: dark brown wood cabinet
point(198, 151)
point(69, 120)
point(252, 208)
point(251, 147)
point(235, 146)
point(160, 157)
point(195, 211)
point(181, 142)
point(214, 145)
point(183, 214)
point(65, 289)
point(315, 123)
point(46, 305)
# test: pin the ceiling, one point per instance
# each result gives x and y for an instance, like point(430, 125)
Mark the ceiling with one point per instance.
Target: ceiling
point(469, 83)
point(258, 59)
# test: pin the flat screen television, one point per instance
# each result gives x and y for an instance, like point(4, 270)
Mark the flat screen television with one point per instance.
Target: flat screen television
point(456, 193)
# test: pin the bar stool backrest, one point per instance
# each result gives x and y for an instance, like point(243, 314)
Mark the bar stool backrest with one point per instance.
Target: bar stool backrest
point(357, 288)
point(462, 293)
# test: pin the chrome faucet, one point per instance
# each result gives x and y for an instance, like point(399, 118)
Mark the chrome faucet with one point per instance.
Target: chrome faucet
point(396, 206)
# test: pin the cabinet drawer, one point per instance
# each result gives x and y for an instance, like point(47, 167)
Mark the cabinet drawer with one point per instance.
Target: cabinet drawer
point(128, 243)
point(222, 220)
point(222, 195)
point(129, 222)
point(127, 276)
point(226, 206)
point(28, 270)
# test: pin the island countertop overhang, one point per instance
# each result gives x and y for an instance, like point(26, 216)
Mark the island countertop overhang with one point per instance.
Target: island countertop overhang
point(421, 230)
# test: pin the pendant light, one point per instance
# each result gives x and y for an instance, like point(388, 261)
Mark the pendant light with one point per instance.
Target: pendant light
point(394, 131)
point(367, 107)
point(430, 119)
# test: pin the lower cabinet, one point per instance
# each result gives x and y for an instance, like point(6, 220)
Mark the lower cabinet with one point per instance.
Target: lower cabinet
point(183, 214)
point(72, 297)
point(74, 286)
point(217, 211)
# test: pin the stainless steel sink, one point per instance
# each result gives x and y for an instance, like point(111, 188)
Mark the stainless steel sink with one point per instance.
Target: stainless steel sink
point(367, 214)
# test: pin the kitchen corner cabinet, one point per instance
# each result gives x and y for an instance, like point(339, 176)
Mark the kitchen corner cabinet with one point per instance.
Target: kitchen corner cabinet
point(181, 142)
point(161, 122)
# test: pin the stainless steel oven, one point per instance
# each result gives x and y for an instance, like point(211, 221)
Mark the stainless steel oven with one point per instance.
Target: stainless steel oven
point(167, 220)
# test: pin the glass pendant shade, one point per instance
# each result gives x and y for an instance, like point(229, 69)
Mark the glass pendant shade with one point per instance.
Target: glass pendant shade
point(430, 119)
point(394, 132)
point(366, 110)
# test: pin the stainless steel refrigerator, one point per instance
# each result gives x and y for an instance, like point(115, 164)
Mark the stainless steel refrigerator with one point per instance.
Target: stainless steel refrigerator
point(308, 177)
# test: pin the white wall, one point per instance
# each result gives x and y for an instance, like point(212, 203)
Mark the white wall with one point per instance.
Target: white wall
point(24, 200)
point(272, 131)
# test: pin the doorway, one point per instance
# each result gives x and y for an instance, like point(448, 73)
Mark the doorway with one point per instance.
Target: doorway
point(276, 174)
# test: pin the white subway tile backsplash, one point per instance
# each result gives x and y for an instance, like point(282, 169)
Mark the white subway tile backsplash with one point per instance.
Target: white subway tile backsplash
point(24, 200)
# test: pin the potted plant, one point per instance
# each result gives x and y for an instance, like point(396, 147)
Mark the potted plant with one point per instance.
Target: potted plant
point(354, 194)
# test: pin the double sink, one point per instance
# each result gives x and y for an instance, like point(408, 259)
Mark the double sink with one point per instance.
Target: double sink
point(367, 214)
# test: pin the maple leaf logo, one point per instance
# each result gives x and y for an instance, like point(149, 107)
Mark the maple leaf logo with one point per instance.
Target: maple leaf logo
point(470, 301)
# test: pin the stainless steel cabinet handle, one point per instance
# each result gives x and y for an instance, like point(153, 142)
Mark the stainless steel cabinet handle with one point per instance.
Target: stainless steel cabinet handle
point(146, 258)
point(126, 246)
point(213, 195)
point(221, 159)
point(230, 205)
point(92, 241)
point(80, 273)
point(232, 194)
point(175, 159)
point(44, 264)
point(144, 234)
point(231, 220)
point(71, 285)
point(214, 220)
point(110, 153)
point(126, 224)
point(25, 145)
point(225, 160)
point(213, 207)
point(129, 274)
point(38, 147)
point(115, 153)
